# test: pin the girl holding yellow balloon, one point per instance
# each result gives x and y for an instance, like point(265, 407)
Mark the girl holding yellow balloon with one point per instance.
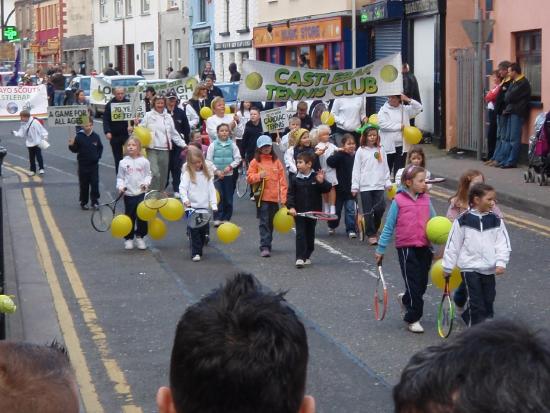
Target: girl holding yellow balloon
point(133, 179)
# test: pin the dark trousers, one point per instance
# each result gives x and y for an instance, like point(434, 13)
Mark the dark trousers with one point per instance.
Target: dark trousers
point(35, 154)
point(265, 212)
point(396, 160)
point(374, 205)
point(198, 239)
point(348, 205)
point(174, 168)
point(117, 146)
point(481, 297)
point(226, 190)
point(139, 227)
point(88, 179)
point(491, 133)
point(415, 264)
point(460, 296)
point(305, 237)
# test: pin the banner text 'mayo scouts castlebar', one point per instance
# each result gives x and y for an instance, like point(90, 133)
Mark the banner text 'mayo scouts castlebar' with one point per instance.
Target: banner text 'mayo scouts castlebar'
point(14, 99)
point(275, 83)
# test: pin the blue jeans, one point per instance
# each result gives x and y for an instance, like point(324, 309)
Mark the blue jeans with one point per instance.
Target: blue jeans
point(58, 97)
point(349, 213)
point(502, 121)
point(226, 190)
point(512, 142)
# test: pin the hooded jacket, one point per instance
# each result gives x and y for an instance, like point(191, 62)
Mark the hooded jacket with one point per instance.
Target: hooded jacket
point(275, 187)
point(163, 130)
point(369, 174)
point(390, 119)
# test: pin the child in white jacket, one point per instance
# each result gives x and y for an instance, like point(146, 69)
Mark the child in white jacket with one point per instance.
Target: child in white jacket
point(478, 244)
point(370, 177)
point(34, 133)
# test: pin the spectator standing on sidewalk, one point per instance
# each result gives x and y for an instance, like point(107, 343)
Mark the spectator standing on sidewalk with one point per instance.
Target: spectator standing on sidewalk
point(58, 83)
point(490, 99)
point(348, 113)
point(116, 132)
point(235, 75)
point(500, 105)
point(208, 71)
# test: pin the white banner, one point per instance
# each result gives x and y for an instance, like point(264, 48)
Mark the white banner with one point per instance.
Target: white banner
point(13, 99)
point(123, 111)
point(275, 83)
point(274, 119)
point(67, 115)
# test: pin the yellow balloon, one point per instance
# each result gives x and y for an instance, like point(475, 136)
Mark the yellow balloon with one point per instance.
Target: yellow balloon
point(412, 135)
point(228, 232)
point(157, 229)
point(173, 210)
point(373, 119)
point(282, 222)
point(438, 279)
point(391, 192)
point(206, 112)
point(143, 135)
point(121, 226)
point(437, 230)
point(227, 110)
point(327, 118)
point(144, 213)
point(7, 305)
point(218, 197)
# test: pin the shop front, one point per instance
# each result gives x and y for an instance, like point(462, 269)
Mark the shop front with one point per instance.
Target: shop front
point(317, 43)
point(201, 47)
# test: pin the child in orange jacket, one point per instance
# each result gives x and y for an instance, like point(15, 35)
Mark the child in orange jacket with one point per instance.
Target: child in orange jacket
point(267, 168)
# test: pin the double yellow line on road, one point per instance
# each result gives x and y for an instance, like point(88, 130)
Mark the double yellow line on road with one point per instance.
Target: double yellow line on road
point(88, 391)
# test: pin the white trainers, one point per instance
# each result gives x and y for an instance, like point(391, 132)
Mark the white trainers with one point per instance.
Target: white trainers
point(400, 301)
point(31, 173)
point(352, 235)
point(299, 263)
point(217, 223)
point(307, 262)
point(196, 258)
point(129, 244)
point(140, 243)
point(415, 327)
point(41, 172)
point(331, 231)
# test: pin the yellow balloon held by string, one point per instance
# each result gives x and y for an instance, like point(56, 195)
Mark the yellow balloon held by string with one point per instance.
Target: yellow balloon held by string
point(373, 119)
point(143, 135)
point(157, 229)
point(282, 222)
point(228, 232)
point(391, 191)
point(227, 110)
point(144, 213)
point(173, 210)
point(437, 230)
point(121, 226)
point(412, 135)
point(206, 112)
point(437, 275)
point(7, 306)
point(327, 118)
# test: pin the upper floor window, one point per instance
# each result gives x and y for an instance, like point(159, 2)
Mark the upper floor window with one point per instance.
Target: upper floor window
point(202, 10)
point(246, 14)
point(145, 6)
point(118, 8)
point(102, 10)
point(172, 4)
point(129, 8)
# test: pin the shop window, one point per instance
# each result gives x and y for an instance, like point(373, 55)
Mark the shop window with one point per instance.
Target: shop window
point(319, 56)
point(304, 60)
point(291, 56)
point(528, 55)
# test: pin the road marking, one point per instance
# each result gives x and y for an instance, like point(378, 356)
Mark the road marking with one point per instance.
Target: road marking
point(99, 337)
point(87, 389)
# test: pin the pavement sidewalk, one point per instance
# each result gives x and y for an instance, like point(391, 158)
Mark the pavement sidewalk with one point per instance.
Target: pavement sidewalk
point(511, 189)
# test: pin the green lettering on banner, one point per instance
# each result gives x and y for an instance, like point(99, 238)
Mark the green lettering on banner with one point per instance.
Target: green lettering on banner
point(295, 79)
point(279, 73)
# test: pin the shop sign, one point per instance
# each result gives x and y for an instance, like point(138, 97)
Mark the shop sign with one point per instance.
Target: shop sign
point(413, 7)
point(201, 36)
point(313, 31)
point(390, 9)
point(240, 44)
point(53, 43)
point(35, 48)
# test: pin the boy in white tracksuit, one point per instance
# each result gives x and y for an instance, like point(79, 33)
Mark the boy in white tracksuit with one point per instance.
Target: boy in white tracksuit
point(32, 130)
point(478, 244)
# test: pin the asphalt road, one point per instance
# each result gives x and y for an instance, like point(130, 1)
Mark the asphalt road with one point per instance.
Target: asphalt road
point(123, 305)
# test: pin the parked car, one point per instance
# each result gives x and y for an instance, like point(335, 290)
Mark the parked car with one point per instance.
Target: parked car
point(229, 90)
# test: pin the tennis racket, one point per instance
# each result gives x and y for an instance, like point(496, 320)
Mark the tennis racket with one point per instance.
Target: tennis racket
point(445, 312)
point(380, 296)
point(242, 184)
point(103, 215)
point(155, 199)
point(435, 180)
point(197, 218)
point(359, 221)
point(318, 215)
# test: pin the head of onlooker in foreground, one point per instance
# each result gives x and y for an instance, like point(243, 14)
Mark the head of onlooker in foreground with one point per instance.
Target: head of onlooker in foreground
point(238, 350)
point(493, 367)
point(36, 379)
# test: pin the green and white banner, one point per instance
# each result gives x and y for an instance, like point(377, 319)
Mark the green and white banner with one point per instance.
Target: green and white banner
point(275, 83)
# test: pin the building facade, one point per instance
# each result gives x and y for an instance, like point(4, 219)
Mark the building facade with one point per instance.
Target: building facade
point(233, 34)
point(126, 33)
point(78, 40)
point(201, 36)
point(174, 36)
point(47, 29)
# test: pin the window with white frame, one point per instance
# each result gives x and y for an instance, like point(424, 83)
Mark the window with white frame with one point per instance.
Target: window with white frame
point(118, 9)
point(145, 6)
point(177, 55)
point(103, 57)
point(227, 16)
point(129, 8)
point(148, 56)
point(169, 59)
point(246, 14)
point(102, 10)
point(172, 4)
point(202, 10)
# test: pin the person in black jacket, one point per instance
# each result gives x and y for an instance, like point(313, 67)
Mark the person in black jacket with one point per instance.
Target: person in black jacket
point(213, 91)
point(182, 126)
point(235, 75)
point(252, 131)
point(517, 100)
point(116, 132)
point(89, 148)
point(500, 105)
point(301, 113)
point(304, 194)
point(342, 161)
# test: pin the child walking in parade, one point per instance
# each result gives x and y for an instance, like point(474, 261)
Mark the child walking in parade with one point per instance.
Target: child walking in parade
point(302, 143)
point(416, 157)
point(197, 192)
point(324, 149)
point(88, 147)
point(34, 133)
point(267, 167)
point(479, 245)
point(133, 179)
point(407, 217)
point(305, 194)
point(342, 162)
point(225, 155)
point(370, 177)
point(285, 142)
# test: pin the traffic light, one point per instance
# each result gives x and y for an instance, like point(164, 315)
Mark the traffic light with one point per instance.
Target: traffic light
point(10, 34)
